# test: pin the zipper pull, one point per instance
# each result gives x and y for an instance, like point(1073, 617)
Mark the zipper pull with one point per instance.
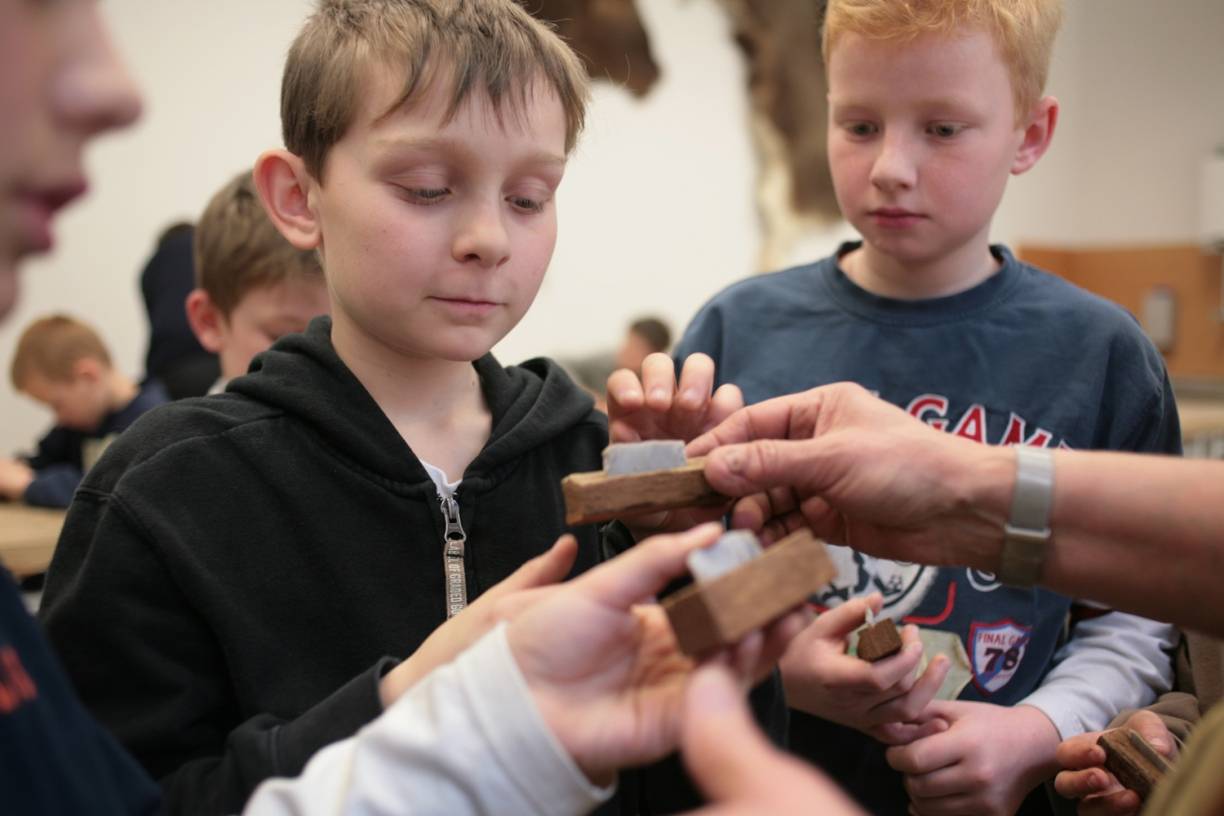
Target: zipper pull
point(453, 545)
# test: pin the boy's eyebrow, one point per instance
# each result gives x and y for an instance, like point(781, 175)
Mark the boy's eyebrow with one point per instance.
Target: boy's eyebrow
point(952, 102)
point(443, 145)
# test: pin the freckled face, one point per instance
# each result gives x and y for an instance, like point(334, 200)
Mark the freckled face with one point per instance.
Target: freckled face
point(436, 233)
point(922, 138)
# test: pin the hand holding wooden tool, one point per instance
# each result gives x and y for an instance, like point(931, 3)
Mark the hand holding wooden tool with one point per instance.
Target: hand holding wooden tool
point(638, 477)
point(1132, 760)
point(721, 608)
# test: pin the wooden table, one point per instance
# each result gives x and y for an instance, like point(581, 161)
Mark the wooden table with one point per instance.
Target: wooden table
point(27, 537)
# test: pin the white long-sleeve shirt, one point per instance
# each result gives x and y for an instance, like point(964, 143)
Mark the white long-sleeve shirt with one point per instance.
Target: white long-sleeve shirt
point(467, 739)
point(1110, 663)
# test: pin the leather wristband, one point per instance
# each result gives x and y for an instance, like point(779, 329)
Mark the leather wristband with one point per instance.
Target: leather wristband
point(1026, 535)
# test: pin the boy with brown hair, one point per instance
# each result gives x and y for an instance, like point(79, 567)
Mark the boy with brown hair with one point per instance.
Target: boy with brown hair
point(933, 104)
point(284, 550)
point(62, 363)
point(252, 286)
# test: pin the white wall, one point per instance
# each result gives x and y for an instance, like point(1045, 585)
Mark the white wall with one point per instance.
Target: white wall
point(1142, 88)
point(656, 209)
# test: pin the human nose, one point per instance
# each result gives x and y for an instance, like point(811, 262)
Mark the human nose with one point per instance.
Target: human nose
point(894, 166)
point(94, 91)
point(482, 237)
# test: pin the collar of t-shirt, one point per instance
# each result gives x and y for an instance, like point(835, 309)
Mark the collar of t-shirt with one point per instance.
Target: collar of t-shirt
point(446, 488)
point(926, 311)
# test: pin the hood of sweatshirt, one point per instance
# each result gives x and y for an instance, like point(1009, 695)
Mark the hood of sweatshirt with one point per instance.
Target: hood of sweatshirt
point(301, 375)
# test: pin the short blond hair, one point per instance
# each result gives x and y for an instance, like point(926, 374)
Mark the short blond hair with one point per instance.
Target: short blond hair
point(1023, 31)
point(238, 248)
point(494, 45)
point(51, 346)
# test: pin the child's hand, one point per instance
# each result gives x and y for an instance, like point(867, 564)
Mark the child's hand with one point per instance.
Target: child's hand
point(602, 663)
point(985, 763)
point(657, 407)
point(525, 586)
point(1084, 777)
point(15, 477)
point(877, 698)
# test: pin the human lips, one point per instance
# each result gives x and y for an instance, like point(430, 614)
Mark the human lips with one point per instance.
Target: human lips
point(895, 217)
point(467, 306)
point(37, 206)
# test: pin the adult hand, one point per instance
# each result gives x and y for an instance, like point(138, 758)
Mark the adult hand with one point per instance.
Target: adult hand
point(603, 665)
point(737, 768)
point(861, 472)
point(522, 588)
point(880, 699)
point(1084, 776)
point(986, 762)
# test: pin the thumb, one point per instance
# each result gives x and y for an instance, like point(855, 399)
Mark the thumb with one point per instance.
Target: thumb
point(1153, 729)
point(753, 467)
point(548, 568)
point(723, 748)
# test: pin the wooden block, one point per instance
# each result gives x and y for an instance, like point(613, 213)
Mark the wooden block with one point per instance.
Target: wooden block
point(720, 612)
point(596, 496)
point(878, 641)
point(1132, 759)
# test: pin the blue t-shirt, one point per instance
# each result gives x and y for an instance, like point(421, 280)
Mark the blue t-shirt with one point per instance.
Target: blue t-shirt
point(54, 758)
point(1022, 358)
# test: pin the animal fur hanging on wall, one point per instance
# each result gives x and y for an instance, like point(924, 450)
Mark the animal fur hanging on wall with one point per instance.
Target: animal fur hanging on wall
point(787, 88)
point(780, 40)
point(607, 34)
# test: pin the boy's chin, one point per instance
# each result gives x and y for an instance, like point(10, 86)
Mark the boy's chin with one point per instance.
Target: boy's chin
point(463, 352)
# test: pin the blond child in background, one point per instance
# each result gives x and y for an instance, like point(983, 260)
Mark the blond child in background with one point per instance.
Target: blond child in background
point(62, 363)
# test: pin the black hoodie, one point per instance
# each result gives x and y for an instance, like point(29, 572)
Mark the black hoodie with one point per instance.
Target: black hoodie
point(237, 572)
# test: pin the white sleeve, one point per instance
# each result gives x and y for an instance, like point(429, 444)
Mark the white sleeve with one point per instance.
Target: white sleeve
point(1110, 663)
point(467, 739)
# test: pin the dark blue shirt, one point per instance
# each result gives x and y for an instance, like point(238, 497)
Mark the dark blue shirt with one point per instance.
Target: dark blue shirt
point(53, 757)
point(1022, 358)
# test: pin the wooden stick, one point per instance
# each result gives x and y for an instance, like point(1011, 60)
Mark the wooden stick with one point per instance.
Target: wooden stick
point(596, 496)
point(1133, 760)
point(720, 612)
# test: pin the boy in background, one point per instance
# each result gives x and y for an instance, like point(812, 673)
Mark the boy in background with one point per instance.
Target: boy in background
point(643, 337)
point(252, 286)
point(288, 546)
point(932, 106)
point(63, 364)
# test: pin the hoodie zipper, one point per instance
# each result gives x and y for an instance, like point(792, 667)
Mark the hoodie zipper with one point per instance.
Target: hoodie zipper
point(454, 542)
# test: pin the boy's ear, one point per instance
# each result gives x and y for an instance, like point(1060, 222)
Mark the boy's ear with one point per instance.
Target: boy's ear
point(89, 369)
point(1038, 132)
point(205, 319)
point(284, 188)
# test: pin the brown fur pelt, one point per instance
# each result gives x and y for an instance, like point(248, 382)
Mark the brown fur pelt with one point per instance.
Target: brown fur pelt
point(607, 34)
point(781, 40)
